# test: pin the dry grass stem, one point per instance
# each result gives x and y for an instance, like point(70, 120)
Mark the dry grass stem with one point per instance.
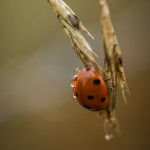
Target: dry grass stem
point(113, 69)
point(113, 57)
point(73, 28)
point(113, 64)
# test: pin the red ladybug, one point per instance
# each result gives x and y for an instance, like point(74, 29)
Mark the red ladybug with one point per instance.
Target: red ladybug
point(90, 89)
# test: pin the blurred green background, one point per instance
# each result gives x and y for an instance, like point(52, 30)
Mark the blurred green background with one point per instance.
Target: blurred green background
point(37, 110)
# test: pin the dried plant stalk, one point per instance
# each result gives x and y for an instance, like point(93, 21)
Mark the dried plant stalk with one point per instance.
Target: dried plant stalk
point(113, 69)
point(113, 65)
point(73, 28)
point(113, 56)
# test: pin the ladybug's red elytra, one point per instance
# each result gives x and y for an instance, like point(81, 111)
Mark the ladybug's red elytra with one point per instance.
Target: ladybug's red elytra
point(90, 89)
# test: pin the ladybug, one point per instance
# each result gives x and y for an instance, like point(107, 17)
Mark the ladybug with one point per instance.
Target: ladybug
point(90, 90)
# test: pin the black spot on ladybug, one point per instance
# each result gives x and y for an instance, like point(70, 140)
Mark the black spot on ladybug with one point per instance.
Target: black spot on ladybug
point(103, 99)
point(87, 107)
point(77, 95)
point(90, 97)
point(96, 81)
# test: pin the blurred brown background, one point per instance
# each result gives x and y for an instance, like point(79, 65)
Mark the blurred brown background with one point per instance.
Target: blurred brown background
point(37, 110)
